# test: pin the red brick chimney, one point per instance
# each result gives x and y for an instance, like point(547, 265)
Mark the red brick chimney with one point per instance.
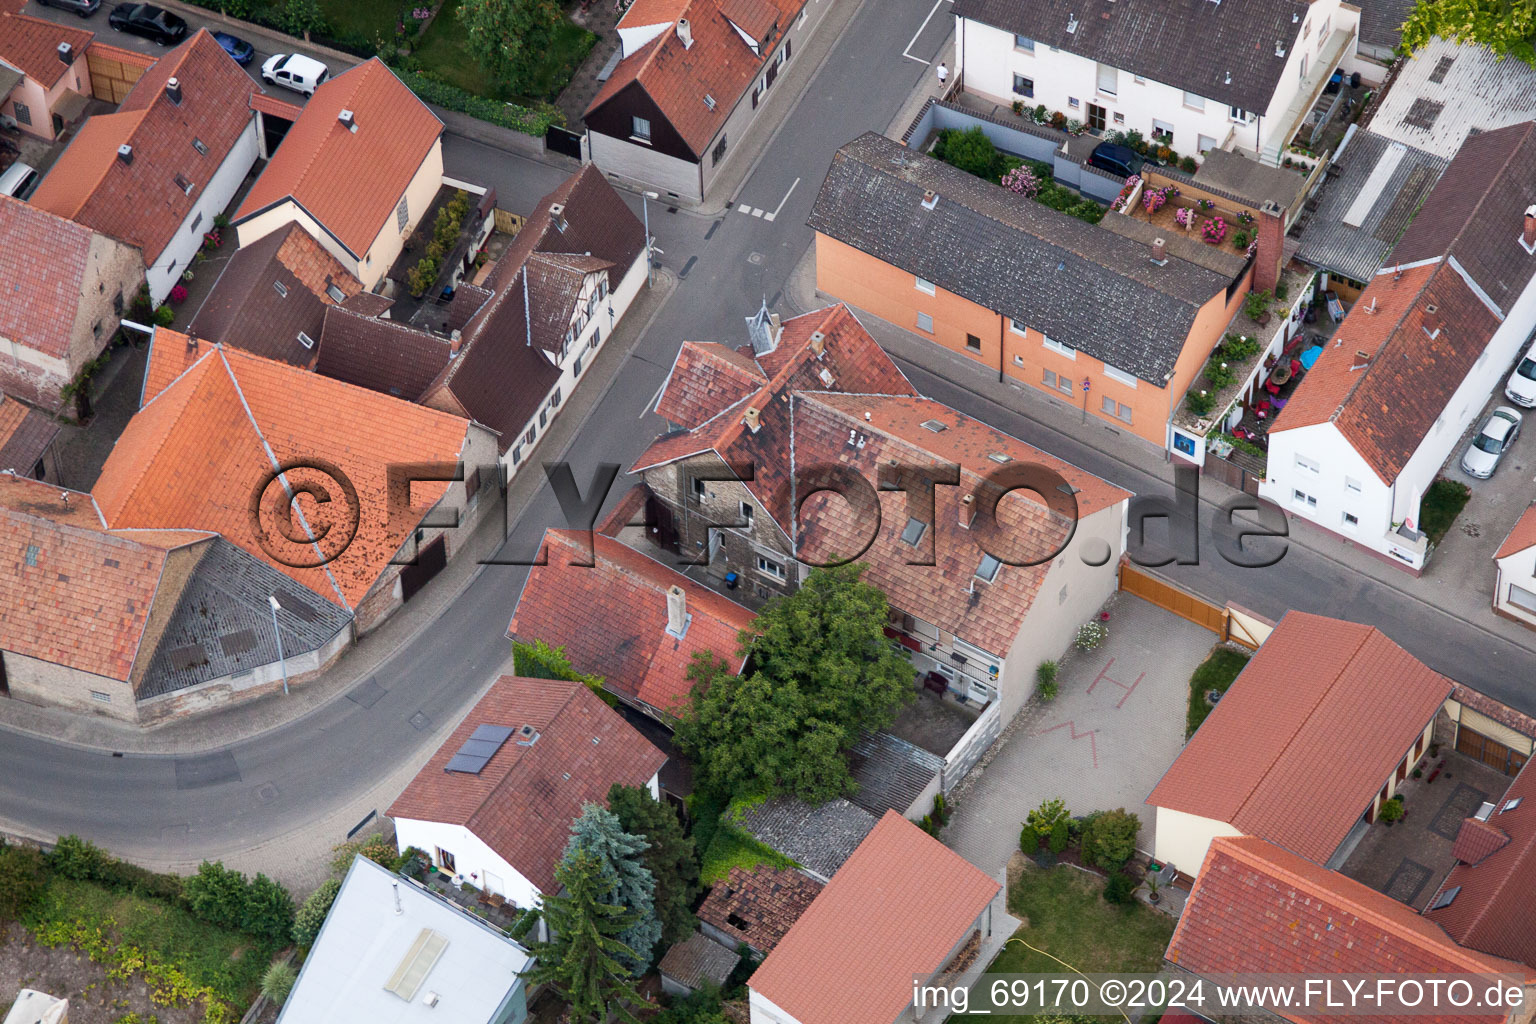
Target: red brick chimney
point(967, 511)
point(1528, 233)
point(1159, 251)
point(1267, 259)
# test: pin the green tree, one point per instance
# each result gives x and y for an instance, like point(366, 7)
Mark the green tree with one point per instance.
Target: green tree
point(670, 855)
point(1109, 839)
point(510, 37)
point(268, 909)
point(971, 151)
point(216, 894)
point(312, 912)
point(301, 17)
point(822, 674)
point(23, 876)
point(1504, 26)
point(599, 833)
point(582, 963)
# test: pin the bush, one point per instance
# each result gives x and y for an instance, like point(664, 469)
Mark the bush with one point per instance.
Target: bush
point(1029, 841)
point(278, 982)
point(1090, 635)
point(1109, 839)
point(217, 895)
point(23, 876)
point(1199, 402)
point(971, 151)
point(164, 316)
point(1045, 679)
point(1120, 889)
point(1188, 165)
point(311, 913)
point(1240, 238)
point(528, 120)
point(1392, 810)
point(78, 859)
point(1061, 836)
point(1256, 304)
point(1047, 816)
point(268, 909)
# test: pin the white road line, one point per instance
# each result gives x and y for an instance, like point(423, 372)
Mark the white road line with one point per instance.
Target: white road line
point(907, 53)
point(769, 216)
point(780, 207)
point(747, 210)
point(758, 213)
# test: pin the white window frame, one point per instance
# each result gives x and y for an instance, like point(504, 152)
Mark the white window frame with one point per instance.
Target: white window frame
point(924, 285)
point(1302, 499)
point(640, 129)
point(403, 214)
point(1238, 115)
point(1521, 602)
point(1113, 89)
point(1350, 521)
point(1119, 376)
point(1059, 348)
point(1194, 102)
point(1014, 328)
point(768, 567)
point(1351, 484)
point(1310, 465)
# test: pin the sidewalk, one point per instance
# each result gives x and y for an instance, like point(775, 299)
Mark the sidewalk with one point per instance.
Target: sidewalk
point(225, 726)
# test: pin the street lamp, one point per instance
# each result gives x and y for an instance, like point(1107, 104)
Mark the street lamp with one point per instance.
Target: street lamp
point(650, 264)
point(272, 600)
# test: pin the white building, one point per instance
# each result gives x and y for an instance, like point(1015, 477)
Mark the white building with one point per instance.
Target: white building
point(494, 805)
point(1514, 590)
point(1191, 74)
point(1386, 404)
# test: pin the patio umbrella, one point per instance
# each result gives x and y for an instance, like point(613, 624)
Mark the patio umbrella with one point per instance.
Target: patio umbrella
point(1311, 356)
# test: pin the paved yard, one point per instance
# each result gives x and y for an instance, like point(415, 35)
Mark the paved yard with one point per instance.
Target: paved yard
point(1115, 727)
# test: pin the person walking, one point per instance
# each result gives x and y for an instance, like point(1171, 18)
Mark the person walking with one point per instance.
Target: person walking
point(943, 72)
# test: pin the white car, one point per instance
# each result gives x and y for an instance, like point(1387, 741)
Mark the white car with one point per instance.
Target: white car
point(1491, 442)
point(18, 180)
point(295, 71)
point(1521, 388)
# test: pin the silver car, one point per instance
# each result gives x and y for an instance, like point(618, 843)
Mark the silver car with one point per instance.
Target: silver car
point(1488, 446)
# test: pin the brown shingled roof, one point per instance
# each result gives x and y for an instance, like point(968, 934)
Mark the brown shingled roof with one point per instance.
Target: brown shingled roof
point(25, 434)
point(760, 905)
point(380, 355)
point(706, 378)
point(40, 316)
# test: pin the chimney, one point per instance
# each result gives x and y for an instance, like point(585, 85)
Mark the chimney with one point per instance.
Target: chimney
point(1432, 320)
point(1159, 251)
point(818, 344)
point(66, 53)
point(1269, 254)
point(752, 418)
point(677, 610)
point(125, 153)
point(173, 90)
point(685, 33)
point(557, 217)
point(1528, 233)
point(967, 511)
point(348, 120)
point(1361, 360)
point(455, 342)
point(930, 199)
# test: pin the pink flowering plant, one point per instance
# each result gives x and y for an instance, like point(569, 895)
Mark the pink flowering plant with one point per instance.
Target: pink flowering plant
point(1184, 217)
point(1154, 198)
point(1023, 181)
point(178, 294)
point(1125, 193)
point(1214, 230)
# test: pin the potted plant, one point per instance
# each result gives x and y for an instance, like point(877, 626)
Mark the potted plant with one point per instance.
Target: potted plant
point(1392, 811)
point(1153, 896)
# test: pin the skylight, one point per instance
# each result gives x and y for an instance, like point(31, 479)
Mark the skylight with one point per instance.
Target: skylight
point(1510, 805)
point(914, 531)
point(417, 964)
point(1445, 898)
point(934, 425)
point(988, 568)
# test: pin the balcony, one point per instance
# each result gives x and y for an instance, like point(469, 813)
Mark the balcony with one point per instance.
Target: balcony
point(1299, 111)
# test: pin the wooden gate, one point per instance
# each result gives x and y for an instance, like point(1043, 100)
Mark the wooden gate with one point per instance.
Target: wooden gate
point(114, 70)
point(1174, 599)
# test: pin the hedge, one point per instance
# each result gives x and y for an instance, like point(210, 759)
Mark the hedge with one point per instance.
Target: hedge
point(528, 120)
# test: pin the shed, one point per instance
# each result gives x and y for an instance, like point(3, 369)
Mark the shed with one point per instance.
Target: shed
point(695, 962)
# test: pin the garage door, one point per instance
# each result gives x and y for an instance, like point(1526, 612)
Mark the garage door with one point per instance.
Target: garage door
point(1489, 751)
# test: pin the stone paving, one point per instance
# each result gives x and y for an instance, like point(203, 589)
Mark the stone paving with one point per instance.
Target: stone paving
point(1115, 727)
point(601, 17)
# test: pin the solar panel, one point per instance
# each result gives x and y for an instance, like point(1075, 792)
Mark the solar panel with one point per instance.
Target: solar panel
point(478, 750)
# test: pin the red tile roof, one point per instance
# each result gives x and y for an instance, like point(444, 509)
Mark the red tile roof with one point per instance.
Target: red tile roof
point(706, 379)
point(611, 618)
point(31, 45)
point(1492, 910)
point(805, 422)
point(895, 909)
point(41, 316)
point(1521, 536)
point(1257, 909)
point(1477, 840)
point(523, 802)
point(140, 202)
point(275, 106)
point(350, 181)
point(199, 449)
point(1283, 757)
point(719, 64)
point(759, 906)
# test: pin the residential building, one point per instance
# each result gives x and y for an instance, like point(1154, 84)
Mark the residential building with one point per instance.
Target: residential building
point(1514, 587)
point(1258, 908)
point(77, 282)
point(756, 906)
point(144, 625)
point(272, 295)
point(219, 429)
point(34, 1007)
point(26, 440)
point(1484, 903)
point(1446, 91)
point(44, 81)
point(1367, 430)
point(1283, 758)
point(1192, 75)
point(1116, 325)
point(821, 393)
point(626, 617)
point(392, 951)
point(156, 172)
point(495, 803)
point(903, 906)
point(357, 170)
point(690, 79)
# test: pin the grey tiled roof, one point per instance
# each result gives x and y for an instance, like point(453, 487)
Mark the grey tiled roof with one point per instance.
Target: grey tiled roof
point(1245, 177)
point(1381, 21)
point(1079, 283)
point(819, 839)
point(697, 960)
point(891, 773)
point(1358, 251)
point(222, 624)
point(1195, 45)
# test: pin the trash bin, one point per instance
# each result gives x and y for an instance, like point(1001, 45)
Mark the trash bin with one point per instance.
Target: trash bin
point(731, 579)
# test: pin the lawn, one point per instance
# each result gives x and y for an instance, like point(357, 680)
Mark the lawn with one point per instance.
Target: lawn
point(1440, 506)
point(1065, 914)
point(442, 51)
point(366, 19)
point(1215, 673)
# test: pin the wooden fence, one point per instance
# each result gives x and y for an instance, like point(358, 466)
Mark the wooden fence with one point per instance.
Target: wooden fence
point(1230, 622)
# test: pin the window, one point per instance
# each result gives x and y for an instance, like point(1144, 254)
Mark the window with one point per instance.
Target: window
point(973, 343)
point(1353, 484)
point(1322, 33)
point(597, 337)
point(1303, 67)
point(914, 530)
point(1097, 117)
point(105, 698)
point(117, 302)
point(23, 114)
point(925, 323)
point(335, 294)
point(533, 432)
point(31, 555)
point(96, 329)
point(200, 146)
point(1351, 521)
point(1194, 102)
point(698, 487)
point(768, 567)
point(306, 340)
point(1060, 349)
point(988, 568)
point(789, 43)
point(1110, 407)
point(576, 367)
point(402, 215)
point(1118, 375)
point(1239, 115)
point(756, 92)
point(718, 152)
point(925, 286)
point(554, 399)
point(1204, 144)
point(1108, 80)
point(1119, 118)
point(1015, 327)
point(1162, 131)
point(1073, 102)
point(640, 128)
point(1303, 498)
point(1018, 360)
point(1522, 598)
point(1312, 465)
point(746, 514)
point(1023, 43)
point(281, 289)
point(1138, 80)
point(543, 419)
point(445, 860)
point(1023, 86)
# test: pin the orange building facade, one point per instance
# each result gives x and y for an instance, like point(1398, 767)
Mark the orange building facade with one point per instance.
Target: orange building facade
point(1019, 352)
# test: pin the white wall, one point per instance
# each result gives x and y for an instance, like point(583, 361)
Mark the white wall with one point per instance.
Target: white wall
point(390, 240)
point(1516, 570)
point(629, 161)
point(1183, 839)
point(764, 1011)
point(470, 856)
point(165, 267)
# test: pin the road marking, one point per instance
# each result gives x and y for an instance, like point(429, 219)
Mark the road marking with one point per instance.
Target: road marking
point(907, 53)
point(779, 209)
point(747, 210)
point(758, 213)
point(769, 216)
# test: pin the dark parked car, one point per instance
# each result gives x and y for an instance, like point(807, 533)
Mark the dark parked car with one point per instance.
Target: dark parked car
point(236, 47)
point(1121, 160)
point(84, 8)
point(148, 21)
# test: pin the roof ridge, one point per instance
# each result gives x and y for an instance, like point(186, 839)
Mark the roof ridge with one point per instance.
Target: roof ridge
point(165, 435)
point(1349, 392)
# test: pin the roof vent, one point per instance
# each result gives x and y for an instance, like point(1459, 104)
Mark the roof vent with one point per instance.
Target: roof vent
point(934, 425)
point(1528, 231)
point(399, 909)
point(1279, 47)
point(1159, 251)
point(709, 101)
point(1071, 23)
point(557, 217)
point(66, 53)
point(430, 999)
point(930, 199)
point(677, 612)
point(826, 376)
point(125, 153)
point(348, 120)
point(753, 418)
point(685, 33)
point(173, 90)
